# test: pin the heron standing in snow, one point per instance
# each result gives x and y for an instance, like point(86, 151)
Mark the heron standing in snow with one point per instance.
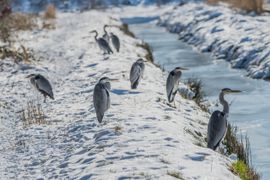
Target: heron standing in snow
point(106, 35)
point(217, 126)
point(173, 83)
point(115, 41)
point(136, 73)
point(102, 43)
point(102, 97)
point(42, 85)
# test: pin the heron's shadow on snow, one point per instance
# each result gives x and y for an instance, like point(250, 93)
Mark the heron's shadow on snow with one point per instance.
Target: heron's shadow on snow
point(124, 92)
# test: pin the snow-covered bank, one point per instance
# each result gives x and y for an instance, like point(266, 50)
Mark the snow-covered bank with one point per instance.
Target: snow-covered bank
point(142, 136)
point(243, 40)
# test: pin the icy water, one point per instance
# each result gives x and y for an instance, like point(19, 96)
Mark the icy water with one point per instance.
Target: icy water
point(249, 110)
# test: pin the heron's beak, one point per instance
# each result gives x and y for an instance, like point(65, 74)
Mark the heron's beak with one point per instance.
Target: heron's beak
point(235, 91)
point(92, 31)
point(182, 69)
point(28, 76)
point(114, 80)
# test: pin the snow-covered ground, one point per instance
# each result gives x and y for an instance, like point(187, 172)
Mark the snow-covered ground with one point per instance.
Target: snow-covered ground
point(141, 136)
point(243, 40)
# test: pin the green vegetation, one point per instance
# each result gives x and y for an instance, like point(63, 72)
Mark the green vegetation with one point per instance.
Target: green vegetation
point(243, 167)
point(243, 171)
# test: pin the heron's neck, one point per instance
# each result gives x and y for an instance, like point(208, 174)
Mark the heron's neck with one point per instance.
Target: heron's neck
point(96, 35)
point(105, 30)
point(224, 103)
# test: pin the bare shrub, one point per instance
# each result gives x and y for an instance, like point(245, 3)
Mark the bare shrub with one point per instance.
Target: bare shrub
point(147, 48)
point(21, 54)
point(14, 22)
point(50, 12)
point(21, 21)
point(33, 114)
point(247, 5)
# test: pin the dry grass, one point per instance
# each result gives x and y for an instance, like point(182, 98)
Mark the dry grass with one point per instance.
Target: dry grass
point(247, 5)
point(15, 22)
point(195, 85)
point(21, 54)
point(147, 48)
point(124, 27)
point(20, 21)
point(50, 12)
point(33, 114)
point(241, 147)
point(175, 174)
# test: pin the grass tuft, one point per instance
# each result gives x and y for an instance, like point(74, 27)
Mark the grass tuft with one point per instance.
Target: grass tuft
point(147, 48)
point(32, 114)
point(243, 167)
point(50, 12)
point(175, 174)
point(196, 86)
point(118, 129)
point(124, 27)
point(18, 55)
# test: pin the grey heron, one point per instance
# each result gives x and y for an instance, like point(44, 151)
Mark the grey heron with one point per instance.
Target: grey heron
point(106, 35)
point(101, 97)
point(102, 43)
point(136, 73)
point(217, 126)
point(42, 85)
point(173, 83)
point(115, 41)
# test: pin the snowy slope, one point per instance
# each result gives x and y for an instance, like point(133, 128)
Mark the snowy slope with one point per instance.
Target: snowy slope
point(243, 40)
point(141, 137)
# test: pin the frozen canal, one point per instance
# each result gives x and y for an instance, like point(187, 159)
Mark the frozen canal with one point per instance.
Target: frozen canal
point(249, 110)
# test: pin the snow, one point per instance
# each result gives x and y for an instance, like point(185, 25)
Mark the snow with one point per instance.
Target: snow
point(141, 136)
point(229, 35)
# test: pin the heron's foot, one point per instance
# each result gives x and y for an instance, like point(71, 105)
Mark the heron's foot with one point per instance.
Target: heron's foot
point(172, 105)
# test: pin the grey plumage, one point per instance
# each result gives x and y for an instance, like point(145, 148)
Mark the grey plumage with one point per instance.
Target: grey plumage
point(102, 97)
point(217, 126)
point(136, 73)
point(42, 85)
point(173, 83)
point(102, 43)
point(115, 42)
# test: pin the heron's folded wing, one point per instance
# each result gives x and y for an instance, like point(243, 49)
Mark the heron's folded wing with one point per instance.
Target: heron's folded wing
point(216, 128)
point(101, 99)
point(169, 87)
point(116, 42)
point(135, 73)
point(44, 85)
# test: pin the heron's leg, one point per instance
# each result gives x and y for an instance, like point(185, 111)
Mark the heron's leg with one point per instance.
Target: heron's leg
point(44, 98)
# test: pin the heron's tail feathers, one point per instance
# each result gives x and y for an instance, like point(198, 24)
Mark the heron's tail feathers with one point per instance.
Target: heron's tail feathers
point(100, 117)
point(134, 85)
